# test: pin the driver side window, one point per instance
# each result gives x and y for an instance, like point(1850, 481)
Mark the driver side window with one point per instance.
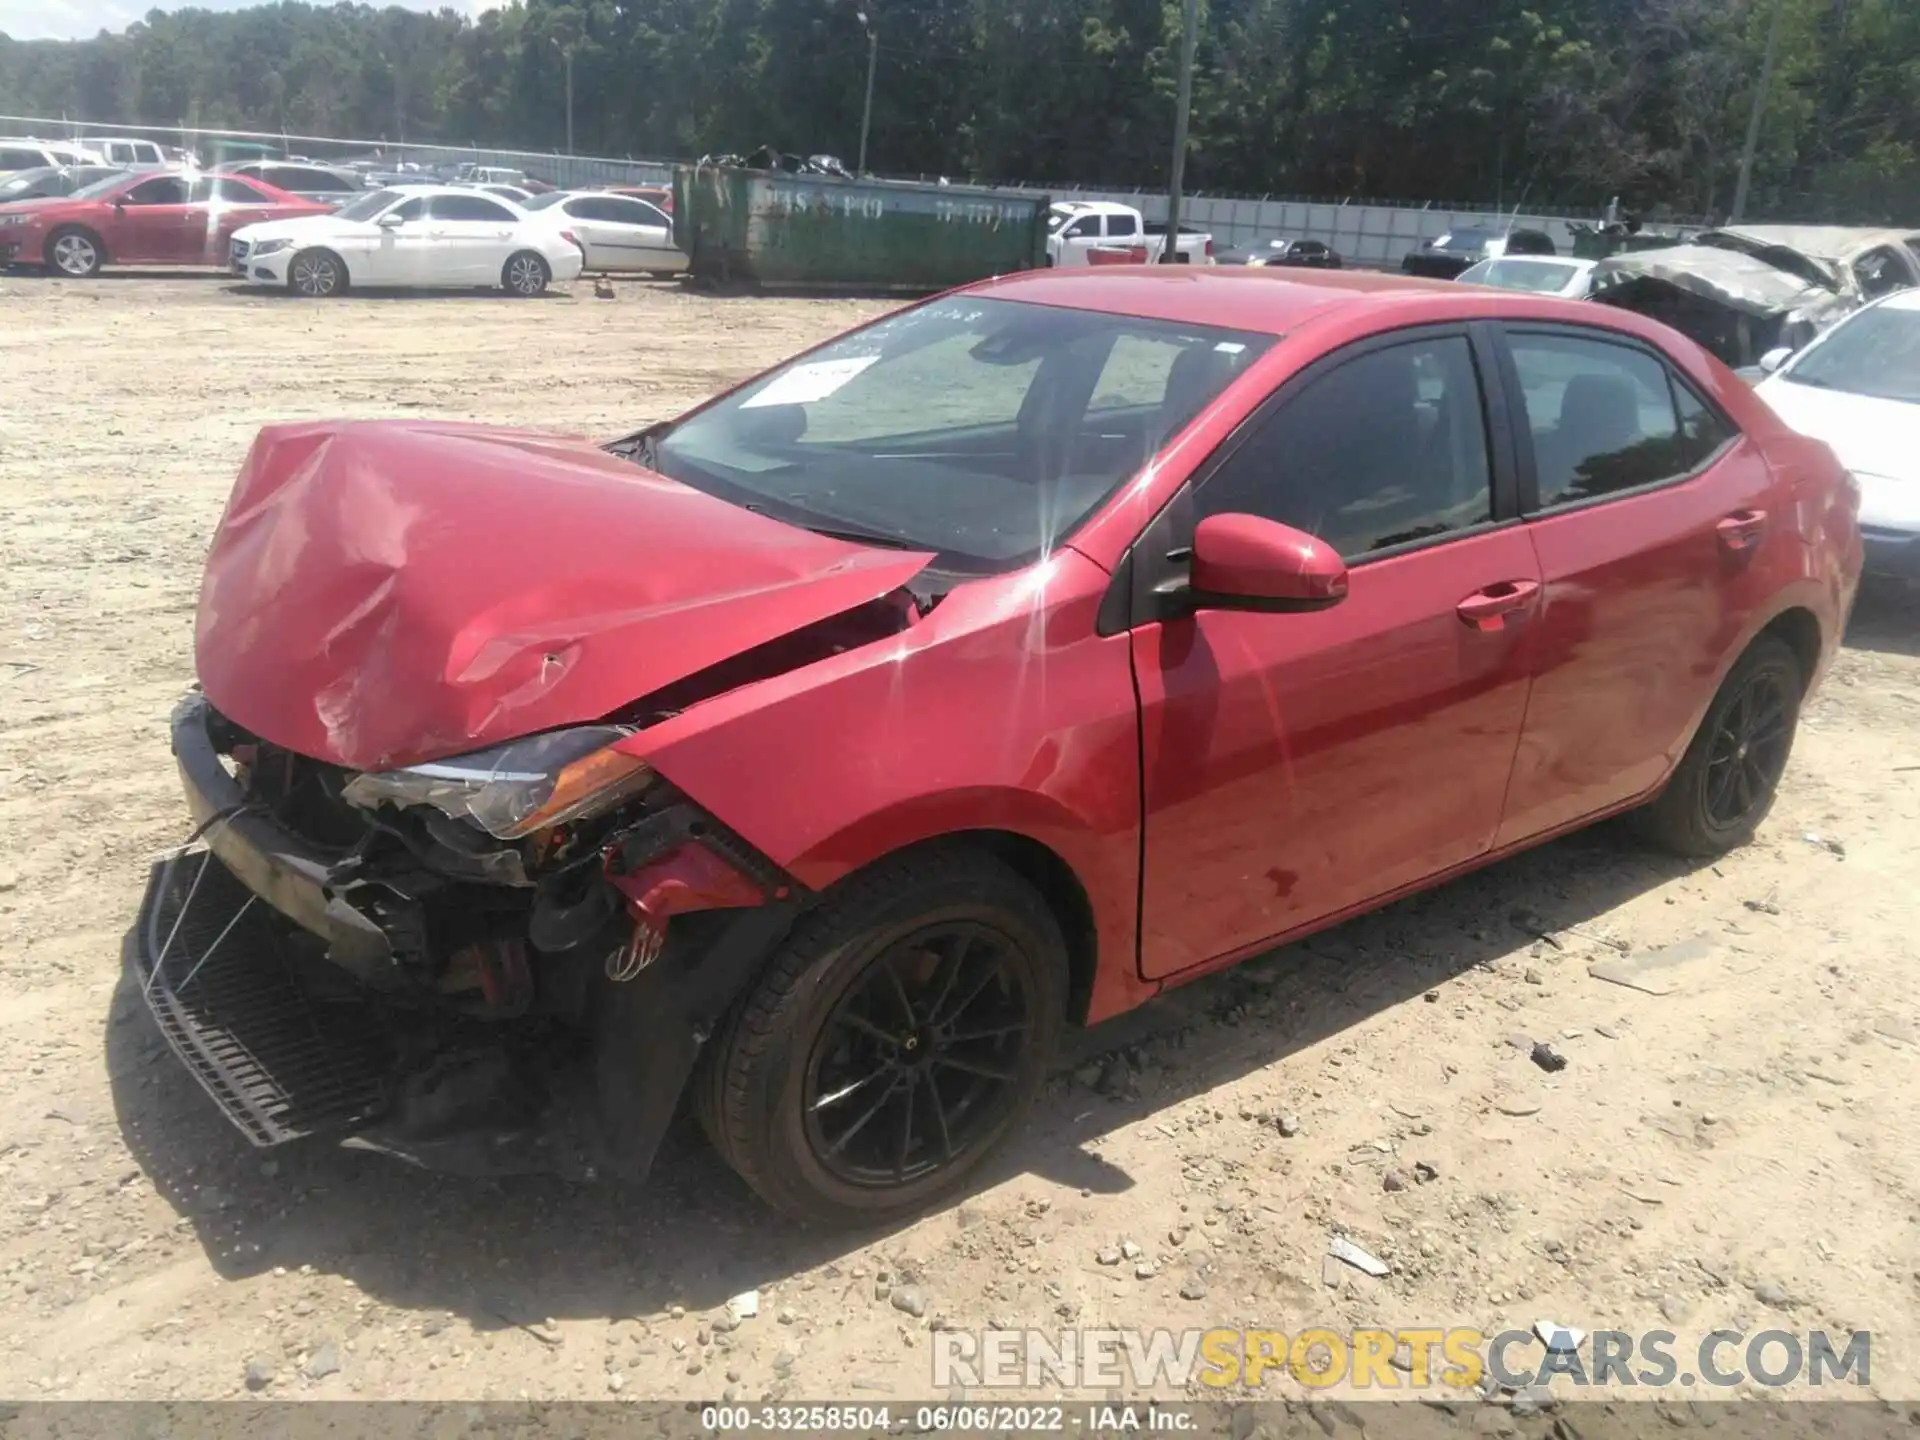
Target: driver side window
point(161, 190)
point(1086, 227)
point(1381, 450)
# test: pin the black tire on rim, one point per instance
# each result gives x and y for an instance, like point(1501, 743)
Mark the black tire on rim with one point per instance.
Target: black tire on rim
point(316, 274)
point(1725, 784)
point(893, 1043)
point(525, 274)
point(75, 251)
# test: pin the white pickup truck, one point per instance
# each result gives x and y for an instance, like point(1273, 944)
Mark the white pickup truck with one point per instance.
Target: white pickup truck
point(1103, 232)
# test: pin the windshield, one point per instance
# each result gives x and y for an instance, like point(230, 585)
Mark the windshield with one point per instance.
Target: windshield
point(1521, 275)
point(365, 207)
point(1463, 240)
point(1875, 353)
point(984, 430)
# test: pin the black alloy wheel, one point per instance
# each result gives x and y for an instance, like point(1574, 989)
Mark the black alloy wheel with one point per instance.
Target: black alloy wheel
point(1748, 752)
point(1725, 784)
point(919, 1057)
point(894, 1041)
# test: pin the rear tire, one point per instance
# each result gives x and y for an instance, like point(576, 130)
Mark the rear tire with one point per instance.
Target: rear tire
point(1726, 782)
point(957, 940)
point(317, 275)
point(75, 251)
point(525, 274)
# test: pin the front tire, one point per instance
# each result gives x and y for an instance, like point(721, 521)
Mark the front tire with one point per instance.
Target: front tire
point(894, 1042)
point(1726, 782)
point(76, 252)
point(525, 274)
point(317, 274)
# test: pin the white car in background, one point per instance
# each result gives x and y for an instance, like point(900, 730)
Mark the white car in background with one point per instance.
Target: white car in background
point(1857, 387)
point(125, 152)
point(618, 234)
point(1535, 274)
point(30, 154)
point(409, 236)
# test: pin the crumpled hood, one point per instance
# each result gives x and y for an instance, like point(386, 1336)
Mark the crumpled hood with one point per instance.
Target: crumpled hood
point(385, 593)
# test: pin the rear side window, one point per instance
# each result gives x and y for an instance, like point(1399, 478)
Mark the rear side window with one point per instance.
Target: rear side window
point(1606, 418)
point(1388, 448)
point(471, 207)
point(1122, 225)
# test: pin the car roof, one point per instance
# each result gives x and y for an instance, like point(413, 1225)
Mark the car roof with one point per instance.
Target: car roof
point(1276, 302)
point(1093, 207)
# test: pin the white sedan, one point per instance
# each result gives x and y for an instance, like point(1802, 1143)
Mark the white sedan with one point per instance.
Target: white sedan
point(617, 233)
point(1857, 387)
point(1535, 274)
point(413, 236)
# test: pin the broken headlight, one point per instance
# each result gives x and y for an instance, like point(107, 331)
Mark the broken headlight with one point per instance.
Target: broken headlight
point(515, 789)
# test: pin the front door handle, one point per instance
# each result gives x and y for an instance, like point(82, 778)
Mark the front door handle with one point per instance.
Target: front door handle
point(1742, 530)
point(1492, 606)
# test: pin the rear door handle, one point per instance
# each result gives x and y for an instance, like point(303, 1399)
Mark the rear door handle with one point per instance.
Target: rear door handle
point(1742, 529)
point(1492, 606)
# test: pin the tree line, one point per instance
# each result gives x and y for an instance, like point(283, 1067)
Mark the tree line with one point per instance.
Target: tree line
point(1503, 102)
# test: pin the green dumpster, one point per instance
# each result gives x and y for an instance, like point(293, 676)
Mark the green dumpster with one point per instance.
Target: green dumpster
point(783, 231)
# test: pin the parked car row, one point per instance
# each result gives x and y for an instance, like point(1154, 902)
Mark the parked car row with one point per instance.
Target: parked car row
point(318, 242)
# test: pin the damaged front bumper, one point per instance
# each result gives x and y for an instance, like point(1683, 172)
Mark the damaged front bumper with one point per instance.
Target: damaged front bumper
point(319, 989)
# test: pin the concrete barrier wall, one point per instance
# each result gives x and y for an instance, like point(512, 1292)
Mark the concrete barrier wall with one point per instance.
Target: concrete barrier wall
point(1369, 235)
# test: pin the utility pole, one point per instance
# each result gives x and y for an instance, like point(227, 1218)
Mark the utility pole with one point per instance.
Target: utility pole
point(1183, 104)
point(566, 52)
point(866, 111)
point(565, 47)
point(1759, 113)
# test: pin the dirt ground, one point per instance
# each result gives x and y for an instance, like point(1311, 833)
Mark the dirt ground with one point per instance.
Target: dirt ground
point(1738, 1152)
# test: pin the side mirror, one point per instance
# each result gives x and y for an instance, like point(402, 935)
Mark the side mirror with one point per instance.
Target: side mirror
point(390, 221)
point(1775, 358)
point(1243, 562)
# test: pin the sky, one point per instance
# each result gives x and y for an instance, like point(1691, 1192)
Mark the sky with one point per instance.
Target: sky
point(83, 19)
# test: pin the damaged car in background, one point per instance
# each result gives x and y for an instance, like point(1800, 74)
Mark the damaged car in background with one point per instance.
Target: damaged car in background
point(1743, 291)
point(815, 756)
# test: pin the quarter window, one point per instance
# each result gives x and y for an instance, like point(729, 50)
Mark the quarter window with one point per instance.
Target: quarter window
point(1387, 448)
point(1603, 418)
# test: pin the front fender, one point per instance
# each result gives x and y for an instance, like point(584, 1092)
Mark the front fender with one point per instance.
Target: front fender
point(1002, 710)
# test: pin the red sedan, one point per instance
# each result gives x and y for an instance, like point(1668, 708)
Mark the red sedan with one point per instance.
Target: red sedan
point(995, 666)
point(179, 218)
